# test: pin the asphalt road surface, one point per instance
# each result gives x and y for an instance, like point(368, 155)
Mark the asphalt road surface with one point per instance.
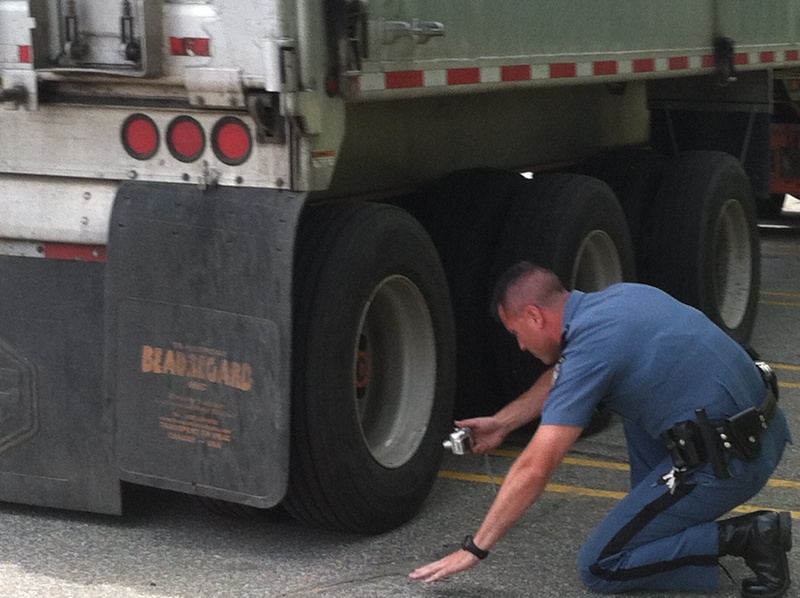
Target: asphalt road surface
point(172, 547)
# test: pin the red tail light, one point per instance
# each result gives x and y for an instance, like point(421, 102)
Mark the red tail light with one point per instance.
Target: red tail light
point(140, 136)
point(190, 46)
point(231, 141)
point(25, 54)
point(186, 139)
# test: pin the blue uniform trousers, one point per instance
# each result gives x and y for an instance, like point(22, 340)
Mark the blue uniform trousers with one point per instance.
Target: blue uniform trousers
point(656, 540)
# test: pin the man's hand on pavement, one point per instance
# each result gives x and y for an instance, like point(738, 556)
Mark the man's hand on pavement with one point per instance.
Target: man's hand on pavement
point(460, 560)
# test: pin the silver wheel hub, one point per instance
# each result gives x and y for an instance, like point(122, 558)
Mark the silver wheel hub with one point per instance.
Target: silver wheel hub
point(597, 263)
point(395, 371)
point(732, 263)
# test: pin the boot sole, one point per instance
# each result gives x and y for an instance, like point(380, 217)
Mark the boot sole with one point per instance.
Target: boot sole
point(749, 591)
point(784, 525)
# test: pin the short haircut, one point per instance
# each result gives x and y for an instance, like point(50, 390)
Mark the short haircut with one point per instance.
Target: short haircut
point(526, 283)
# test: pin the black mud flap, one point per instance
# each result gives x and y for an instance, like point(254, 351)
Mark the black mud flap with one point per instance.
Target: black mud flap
point(56, 425)
point(198, 306)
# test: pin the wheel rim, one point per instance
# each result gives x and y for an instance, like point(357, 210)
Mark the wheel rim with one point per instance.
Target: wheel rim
point(395, 371)
point(597, 263)
point(732, 263)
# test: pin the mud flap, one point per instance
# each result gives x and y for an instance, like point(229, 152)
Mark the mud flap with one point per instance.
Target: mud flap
point(56, 425)
point(198, 299)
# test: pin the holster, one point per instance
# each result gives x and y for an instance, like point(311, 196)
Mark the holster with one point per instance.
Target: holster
point(681, 442)
point(714, 445)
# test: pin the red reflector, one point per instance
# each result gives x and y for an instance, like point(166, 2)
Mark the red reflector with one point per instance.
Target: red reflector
point(231, 141)
point(140, 136)
point(190, 46)
point(68, 251)
point(25, 54)
point(561, 70)
point(463, 76)
point(185, 139)
point(677, 63)
point(403, 79)
point(516, 72)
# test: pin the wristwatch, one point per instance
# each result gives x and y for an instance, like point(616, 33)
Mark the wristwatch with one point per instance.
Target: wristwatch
point(469, 545)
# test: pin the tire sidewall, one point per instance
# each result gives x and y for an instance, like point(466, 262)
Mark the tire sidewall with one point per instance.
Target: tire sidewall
point(388, 243)
point(681, 246)
point(729, 183)
point(595, 209)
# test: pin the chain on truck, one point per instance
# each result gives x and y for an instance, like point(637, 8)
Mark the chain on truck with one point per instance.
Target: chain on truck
point(246, 247)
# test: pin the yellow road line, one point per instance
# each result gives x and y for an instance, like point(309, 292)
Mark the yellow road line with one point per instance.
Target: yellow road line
point(577, 490)
point(778, 483)
point(776, 294)
point(619, 466)
point(482, 478)
point(595, 463)
point(780, 294)
point(786, 366)
point(463, 476)
point(780, 303)
point(570, 460)
point(789, 384)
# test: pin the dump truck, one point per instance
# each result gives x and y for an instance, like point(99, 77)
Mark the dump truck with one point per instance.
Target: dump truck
point(247, 247)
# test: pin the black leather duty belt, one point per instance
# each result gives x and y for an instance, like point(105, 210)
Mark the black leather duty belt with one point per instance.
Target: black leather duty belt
point(693, 443)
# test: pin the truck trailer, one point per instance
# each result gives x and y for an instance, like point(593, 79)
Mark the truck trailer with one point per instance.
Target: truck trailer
point(247, 246)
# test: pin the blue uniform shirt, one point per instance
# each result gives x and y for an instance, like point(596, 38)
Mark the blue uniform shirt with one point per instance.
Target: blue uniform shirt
point(648, 358)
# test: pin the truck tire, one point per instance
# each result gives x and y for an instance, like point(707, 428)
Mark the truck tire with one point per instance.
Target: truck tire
point(574, 225)
point(634, 175)
point(475, 202)
point(373, 368)
point(704, 248)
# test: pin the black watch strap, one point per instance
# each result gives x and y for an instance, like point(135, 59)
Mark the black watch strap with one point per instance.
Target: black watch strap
point(469, 545)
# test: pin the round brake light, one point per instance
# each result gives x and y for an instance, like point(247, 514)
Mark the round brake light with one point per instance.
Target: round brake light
point(186, 139)
point(140, 136)
point(231, 141)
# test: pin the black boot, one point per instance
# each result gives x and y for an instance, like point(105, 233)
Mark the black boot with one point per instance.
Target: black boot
point(763, 538)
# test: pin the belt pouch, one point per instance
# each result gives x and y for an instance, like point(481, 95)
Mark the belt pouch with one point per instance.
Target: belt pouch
point(681, 442)
point(744, 431)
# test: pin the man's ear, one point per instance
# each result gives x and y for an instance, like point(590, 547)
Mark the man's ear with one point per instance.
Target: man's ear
point(535, 314)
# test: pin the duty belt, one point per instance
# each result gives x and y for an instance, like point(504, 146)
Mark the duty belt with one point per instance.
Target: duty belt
point(693, 443)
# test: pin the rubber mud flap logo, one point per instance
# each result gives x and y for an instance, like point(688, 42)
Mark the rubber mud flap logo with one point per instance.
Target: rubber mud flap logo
point(209, 365)
point(198, 400)
point(198, 414)
point(19, 414)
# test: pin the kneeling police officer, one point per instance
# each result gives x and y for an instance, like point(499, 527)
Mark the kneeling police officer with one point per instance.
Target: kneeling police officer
point(701, 421)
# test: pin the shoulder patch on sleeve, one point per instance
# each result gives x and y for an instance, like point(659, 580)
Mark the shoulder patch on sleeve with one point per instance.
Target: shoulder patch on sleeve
point(557, 368)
